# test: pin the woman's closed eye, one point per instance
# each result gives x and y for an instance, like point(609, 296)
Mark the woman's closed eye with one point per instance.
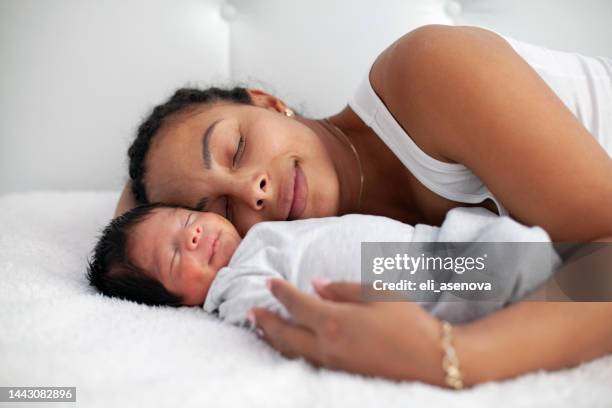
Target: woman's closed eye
point(239, 151)
point(237, 156)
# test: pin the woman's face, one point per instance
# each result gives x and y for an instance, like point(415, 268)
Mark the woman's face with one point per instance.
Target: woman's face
point(246, 163)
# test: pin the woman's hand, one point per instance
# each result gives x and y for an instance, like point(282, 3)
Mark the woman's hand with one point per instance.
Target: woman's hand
point(402, 341)
point(396, 340)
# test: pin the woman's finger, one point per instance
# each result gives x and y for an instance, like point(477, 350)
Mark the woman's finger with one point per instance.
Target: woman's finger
point(291, 340)
point(338, 291)
point(305, 309)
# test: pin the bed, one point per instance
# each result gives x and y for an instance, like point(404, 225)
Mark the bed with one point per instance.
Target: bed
point(57, 331)
point(78, 76)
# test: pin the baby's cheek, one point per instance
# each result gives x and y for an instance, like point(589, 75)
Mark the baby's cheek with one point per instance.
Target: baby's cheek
point(194, 285)
point(191, 274)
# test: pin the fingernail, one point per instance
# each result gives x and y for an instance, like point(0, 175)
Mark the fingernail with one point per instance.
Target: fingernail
point(251, 317)
point(259, 332)
point(320, 282)
point(269, 283)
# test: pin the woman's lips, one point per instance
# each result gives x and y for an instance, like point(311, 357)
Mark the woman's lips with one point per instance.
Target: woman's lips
point(286, 195)
point(300, 192)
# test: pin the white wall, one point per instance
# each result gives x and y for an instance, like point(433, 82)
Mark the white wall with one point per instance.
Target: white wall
point(77, 76)
point(313, 53)
point(583, 26)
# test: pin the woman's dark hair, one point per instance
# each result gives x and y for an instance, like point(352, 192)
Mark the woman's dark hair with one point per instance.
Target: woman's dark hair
point(112, 273)
point(182, 99)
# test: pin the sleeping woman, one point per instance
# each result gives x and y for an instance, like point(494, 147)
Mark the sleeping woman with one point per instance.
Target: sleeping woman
point(445, 117)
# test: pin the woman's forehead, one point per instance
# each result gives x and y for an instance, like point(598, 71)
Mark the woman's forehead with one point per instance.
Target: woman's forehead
point(185, 132)
point(206, 113)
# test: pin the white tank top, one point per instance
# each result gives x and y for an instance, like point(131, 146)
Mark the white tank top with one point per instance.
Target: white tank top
point(584, 84)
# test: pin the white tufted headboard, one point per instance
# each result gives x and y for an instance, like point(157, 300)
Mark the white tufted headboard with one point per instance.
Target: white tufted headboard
point(77, 77)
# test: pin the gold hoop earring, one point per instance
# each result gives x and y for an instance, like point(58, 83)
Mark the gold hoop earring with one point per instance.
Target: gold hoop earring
point(289, 113)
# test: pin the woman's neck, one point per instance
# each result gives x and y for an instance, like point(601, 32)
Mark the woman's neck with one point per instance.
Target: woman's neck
point(347, 165)
point(387, 183)
point(344, 160)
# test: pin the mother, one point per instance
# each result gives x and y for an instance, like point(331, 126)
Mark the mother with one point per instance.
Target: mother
point(453, 117)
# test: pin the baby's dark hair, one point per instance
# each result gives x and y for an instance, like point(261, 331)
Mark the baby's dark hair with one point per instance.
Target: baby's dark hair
point(183, 99)
point(114, 274)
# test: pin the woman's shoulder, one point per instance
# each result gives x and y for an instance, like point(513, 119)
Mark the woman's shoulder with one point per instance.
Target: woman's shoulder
point(394, 70)
point(420, 70)
point(426, 49)
point(390, 77)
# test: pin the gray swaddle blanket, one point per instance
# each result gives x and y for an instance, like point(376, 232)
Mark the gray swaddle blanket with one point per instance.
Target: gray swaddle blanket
point(302, 250)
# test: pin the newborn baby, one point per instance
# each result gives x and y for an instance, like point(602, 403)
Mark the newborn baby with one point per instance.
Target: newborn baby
point(158, 254)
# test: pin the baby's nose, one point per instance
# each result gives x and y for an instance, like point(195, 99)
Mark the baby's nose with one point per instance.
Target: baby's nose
point(194, 236)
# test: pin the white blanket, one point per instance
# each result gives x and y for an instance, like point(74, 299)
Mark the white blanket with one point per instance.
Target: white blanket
point(56, 331)
point(299, 251)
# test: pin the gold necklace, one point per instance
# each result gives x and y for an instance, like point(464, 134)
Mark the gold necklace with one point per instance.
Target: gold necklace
point(338, 130)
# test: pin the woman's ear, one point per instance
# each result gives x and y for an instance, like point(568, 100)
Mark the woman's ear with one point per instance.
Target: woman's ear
point(265, 100)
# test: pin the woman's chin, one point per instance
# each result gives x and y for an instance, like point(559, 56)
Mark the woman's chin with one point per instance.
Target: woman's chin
point(319, 212)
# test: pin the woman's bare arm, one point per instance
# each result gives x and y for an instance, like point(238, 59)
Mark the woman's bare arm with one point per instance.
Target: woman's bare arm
point(483, 106)
point(342, 333)
point(126, 200)
point(541, 334)
point(531, 336)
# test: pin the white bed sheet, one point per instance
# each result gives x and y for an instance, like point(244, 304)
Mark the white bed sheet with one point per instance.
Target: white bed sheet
point(56, 331)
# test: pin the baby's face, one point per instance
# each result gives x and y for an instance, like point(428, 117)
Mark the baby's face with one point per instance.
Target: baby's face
point(183, 250)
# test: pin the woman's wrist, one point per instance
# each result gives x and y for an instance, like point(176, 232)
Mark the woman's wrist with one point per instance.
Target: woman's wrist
point(453, 376)
point(452, 356)
point(466, 350)
point(430, 370)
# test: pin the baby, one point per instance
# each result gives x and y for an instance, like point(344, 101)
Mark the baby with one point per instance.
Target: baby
point(169, 255)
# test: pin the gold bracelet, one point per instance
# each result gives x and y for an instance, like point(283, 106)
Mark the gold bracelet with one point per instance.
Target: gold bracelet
point(450, 361)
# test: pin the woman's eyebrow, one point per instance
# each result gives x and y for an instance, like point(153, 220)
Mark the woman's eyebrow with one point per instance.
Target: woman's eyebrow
point(206, 143)
point(201, 205)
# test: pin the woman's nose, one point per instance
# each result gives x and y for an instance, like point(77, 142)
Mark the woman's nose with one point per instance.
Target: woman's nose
point(260, 190)
point(193, 236)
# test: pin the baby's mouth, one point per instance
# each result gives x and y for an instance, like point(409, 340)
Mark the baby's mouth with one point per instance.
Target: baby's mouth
point(212, 247)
